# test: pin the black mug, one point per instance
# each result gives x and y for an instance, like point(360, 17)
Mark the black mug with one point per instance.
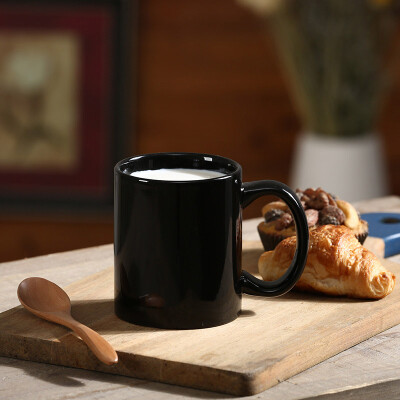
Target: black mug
point(178, 244)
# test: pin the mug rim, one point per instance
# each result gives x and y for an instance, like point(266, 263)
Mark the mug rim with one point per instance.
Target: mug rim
point(226, 160)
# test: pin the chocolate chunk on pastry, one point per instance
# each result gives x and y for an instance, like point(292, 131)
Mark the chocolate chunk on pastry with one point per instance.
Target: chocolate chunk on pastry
point(321, 208)
point(337, 264)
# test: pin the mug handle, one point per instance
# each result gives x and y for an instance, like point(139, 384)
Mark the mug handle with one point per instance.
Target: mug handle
point(249, 283)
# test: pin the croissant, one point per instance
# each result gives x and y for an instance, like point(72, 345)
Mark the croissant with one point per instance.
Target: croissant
point(337, 264)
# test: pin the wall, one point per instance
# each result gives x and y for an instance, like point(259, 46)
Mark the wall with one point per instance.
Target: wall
point(209, 81)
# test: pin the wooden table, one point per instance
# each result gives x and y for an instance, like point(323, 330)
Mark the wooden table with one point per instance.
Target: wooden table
point(365, 371)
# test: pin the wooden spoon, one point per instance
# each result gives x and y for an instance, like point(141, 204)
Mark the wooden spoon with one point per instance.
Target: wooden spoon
point(48, 301)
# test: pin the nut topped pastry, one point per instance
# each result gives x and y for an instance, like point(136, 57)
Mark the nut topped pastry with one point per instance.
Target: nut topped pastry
point(321, 208)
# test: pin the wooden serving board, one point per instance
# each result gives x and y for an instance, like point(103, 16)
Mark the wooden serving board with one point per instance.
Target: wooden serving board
point(271, 341)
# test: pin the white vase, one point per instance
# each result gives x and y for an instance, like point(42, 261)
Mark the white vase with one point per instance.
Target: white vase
point(351, 168)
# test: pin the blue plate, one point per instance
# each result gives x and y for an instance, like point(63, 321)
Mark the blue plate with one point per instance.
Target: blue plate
point(387, 227)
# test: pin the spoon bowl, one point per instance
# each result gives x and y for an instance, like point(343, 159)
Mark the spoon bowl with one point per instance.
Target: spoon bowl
point(48, 301)
point(43, 295)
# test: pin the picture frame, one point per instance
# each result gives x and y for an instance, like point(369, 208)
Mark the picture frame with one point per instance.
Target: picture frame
point(66, 101)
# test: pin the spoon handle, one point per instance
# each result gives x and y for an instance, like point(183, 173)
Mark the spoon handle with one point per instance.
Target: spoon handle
point(100, 347)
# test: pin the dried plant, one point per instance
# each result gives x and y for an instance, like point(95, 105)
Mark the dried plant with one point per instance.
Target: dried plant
point(334, 54)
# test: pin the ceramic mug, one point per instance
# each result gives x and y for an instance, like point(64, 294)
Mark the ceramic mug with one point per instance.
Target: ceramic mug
point(178, 244)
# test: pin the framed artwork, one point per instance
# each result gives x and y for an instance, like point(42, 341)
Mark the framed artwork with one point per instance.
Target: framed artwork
point(65, 101)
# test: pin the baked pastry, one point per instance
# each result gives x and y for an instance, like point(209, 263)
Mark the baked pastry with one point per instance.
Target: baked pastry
point(337, 264)
point(321, 208)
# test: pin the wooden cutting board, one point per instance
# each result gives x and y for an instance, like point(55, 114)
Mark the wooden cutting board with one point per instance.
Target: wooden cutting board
point(271, 341)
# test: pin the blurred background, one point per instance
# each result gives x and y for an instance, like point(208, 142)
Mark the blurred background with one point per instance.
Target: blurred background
point(275, 85)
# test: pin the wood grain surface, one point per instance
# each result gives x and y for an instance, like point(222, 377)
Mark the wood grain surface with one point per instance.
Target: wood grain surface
point(271, 341)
